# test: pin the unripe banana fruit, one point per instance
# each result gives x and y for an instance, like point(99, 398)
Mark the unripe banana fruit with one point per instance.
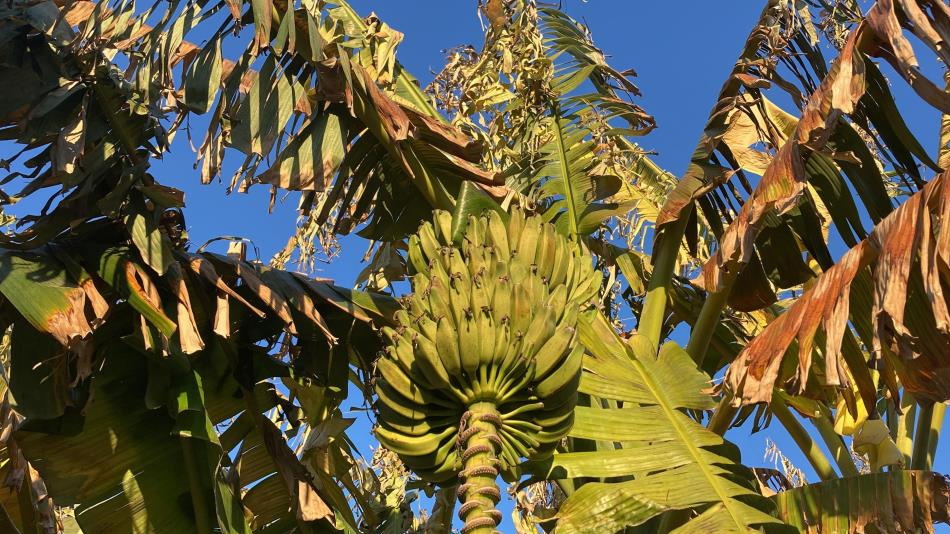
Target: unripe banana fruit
point(483, 367)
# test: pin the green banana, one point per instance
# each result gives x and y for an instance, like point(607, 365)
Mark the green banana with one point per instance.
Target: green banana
point(515, 226)
point(414, 446)
point(446, 338)
point(501, 300)
point(559, 264)
point(439, 303)
point(566, 373)
point(521, 310)
point(549, 421)
point(400, 382)
point(426, 326)
point(430, 365)
point(521, 409)
point(553, 433)
point(409, 427)
point(545, 254)
point(498, 233)
point(499, 348)
point(486, 338)
point(417, 257)
point(528, 243)
point(406, 408)
point(430, 244)
point(443, 225)
point(469, 345)
point(555, 349)
point(557, 300)
point(403, 356)
point(541, 328)
point(445, 470)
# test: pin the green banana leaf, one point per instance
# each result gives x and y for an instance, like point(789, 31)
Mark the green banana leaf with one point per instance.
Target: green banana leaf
point(665, 460)
point(126, 456)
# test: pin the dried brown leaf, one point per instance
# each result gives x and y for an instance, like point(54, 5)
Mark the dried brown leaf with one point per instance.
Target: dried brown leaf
point(188, 334)
point(784, 179)
point(276, 302)
point(902, 253)
point(310, 505)
point(206, 270)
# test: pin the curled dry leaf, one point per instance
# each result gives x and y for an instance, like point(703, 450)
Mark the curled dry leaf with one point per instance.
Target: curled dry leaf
point(907, 257)
point(222, 314)
point(310, 506)
point(420, 144)
point(784, 179)
point(782, 184)
point(886, 19)
point(275, 301)
point(702, 176)
point(753, 124)
point(188, 334)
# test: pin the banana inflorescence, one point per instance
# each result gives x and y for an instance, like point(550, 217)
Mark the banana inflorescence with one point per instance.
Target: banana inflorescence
point(483, 368)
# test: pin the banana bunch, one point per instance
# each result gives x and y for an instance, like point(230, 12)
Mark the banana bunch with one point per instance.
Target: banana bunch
point(490, 322)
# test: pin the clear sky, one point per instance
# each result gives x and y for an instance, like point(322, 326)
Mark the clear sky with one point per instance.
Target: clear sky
point(682, 52)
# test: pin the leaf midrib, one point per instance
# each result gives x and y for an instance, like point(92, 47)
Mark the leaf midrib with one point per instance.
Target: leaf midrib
point(693, 450)
point(566, 177)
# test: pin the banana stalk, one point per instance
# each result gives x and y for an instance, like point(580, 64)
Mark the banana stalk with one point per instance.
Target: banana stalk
point(479, 490)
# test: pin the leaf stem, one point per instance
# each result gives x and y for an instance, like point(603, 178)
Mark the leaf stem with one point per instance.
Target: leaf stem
point(922, 459)
point(198, 501)
point(705, 326)
point(723, 414)
point(665, 252)
point(836, 445)
point(809, 448)
point(904, 426)
point(936, 423)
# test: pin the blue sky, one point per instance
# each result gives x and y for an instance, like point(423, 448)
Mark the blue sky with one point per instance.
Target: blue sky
point(682, 52)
